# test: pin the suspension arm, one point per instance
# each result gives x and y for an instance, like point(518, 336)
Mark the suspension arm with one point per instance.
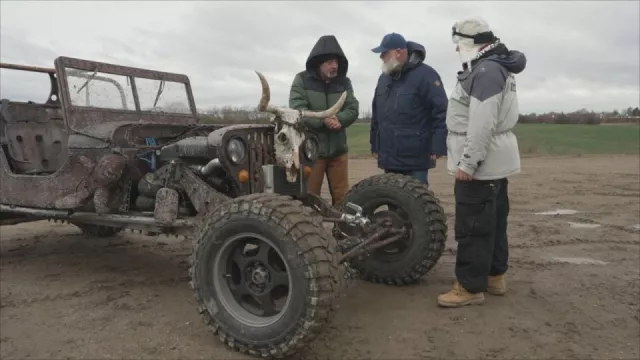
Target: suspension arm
point(370, 235)
point(331, 214)
point(366, 246)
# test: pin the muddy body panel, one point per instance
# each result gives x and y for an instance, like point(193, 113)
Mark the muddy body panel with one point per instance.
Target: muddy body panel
point(34, 136)
point(43, 191)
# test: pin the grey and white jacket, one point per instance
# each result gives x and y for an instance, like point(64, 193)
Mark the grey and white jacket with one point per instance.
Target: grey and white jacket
point(482, 111)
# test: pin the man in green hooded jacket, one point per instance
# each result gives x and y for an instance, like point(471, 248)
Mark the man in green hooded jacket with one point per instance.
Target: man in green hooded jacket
point(318, 88)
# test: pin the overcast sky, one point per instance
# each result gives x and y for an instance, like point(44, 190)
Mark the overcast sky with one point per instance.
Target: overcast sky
point(580, 53)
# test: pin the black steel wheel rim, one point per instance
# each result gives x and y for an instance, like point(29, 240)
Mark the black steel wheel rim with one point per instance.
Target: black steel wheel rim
point(252, 279)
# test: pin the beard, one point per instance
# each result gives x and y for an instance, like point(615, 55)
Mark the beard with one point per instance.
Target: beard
point(390, 66)
point(329, 75)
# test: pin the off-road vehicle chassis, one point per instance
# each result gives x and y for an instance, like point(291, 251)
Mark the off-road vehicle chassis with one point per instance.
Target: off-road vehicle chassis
point(102, 154)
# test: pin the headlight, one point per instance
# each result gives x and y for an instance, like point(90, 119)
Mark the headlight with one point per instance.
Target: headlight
point(310, 149)
point(236, 150)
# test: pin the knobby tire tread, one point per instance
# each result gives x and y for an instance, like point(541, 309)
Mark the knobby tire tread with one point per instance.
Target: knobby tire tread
point(311, 241)
point(434, 220)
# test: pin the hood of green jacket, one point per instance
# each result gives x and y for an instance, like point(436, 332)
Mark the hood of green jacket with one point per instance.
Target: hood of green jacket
point(326, 47)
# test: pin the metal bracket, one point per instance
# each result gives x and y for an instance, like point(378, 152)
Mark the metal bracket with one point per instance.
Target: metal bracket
point(358, 218)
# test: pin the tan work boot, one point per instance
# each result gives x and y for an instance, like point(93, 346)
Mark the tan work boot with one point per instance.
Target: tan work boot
point(497, 285)
point(459, 296)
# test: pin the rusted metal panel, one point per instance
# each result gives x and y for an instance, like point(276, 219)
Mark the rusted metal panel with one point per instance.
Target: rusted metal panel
point(101, 122)
point(41, 191)
point(35, 136)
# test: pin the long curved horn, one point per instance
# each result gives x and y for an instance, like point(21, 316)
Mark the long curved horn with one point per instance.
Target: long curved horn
point(263, 105)
point(329, 112)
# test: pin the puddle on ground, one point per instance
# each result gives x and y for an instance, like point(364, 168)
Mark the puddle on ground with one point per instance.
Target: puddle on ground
point(636, 227)
point(583, 225)
point(578, 261)
point(558, 212)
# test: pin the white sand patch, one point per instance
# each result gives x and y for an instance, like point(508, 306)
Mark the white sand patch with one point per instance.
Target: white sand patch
point(558, 212)
point(583, 225)
point(578, 261)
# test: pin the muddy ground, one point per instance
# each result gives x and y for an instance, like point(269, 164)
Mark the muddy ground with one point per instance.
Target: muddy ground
point(574, 291)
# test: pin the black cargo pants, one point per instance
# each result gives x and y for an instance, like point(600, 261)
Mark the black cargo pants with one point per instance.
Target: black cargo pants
point(482, 208)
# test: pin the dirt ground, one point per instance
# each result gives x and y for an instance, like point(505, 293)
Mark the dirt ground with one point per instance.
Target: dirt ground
point(573, 291)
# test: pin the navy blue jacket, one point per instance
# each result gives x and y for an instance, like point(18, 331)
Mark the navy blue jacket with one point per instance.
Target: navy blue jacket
point(409, 114)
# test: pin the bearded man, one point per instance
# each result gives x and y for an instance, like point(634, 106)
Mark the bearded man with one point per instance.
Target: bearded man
point(483, 152)
point(408, 129)
point(318, 88)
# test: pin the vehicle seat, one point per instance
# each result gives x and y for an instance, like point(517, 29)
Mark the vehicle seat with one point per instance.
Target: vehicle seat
point(35, 136)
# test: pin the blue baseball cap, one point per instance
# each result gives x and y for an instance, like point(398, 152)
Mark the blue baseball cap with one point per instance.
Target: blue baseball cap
point(390, 42)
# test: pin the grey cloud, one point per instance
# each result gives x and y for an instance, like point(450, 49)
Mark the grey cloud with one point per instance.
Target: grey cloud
point(231, 37)
point(31, 86)
point(225, 43)
point(16, 49)
point(593, 45)
point(599, 45)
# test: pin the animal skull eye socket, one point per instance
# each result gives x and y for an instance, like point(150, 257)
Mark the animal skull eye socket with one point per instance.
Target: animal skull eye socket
point(282, 138)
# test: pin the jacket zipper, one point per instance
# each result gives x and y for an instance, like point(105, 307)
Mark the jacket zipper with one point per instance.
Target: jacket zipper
point(326, 98)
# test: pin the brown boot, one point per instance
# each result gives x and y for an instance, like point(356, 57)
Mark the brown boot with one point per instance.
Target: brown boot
point(459, 296)
point(497, 285)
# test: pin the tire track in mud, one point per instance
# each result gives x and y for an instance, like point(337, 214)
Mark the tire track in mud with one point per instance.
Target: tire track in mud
point(572, 242)
point(527, 263)
point(66, 245)
point(114, 290)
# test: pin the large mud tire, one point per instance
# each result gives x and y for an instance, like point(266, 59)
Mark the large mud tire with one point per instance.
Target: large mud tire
point(306, 250)
point(98, 230)
point(421, 212)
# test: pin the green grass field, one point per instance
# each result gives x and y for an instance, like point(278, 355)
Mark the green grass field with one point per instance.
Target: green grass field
point(546, 139)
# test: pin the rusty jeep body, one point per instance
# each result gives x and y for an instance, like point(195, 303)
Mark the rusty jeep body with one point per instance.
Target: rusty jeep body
point(116, 147)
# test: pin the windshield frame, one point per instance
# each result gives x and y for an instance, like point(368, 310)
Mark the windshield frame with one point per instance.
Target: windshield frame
point(89, 119)
point(66, 66)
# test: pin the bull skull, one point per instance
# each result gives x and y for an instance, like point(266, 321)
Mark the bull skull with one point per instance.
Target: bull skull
point(291, 133)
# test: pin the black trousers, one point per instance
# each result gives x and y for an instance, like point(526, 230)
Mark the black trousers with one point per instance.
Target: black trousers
point(482, 208)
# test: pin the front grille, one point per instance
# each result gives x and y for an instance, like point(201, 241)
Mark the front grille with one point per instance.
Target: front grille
point(281, 185)
point(261, 152)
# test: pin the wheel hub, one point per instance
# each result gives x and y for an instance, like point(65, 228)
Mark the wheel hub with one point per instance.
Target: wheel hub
point(392, 220)
point(259, 275)
point(388, 219)
point(257, 278)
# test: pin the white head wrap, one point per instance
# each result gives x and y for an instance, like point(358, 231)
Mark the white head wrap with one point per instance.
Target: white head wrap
point(467, 49)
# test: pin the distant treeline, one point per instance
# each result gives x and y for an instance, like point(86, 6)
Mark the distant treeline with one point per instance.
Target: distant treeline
point(238, 115)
